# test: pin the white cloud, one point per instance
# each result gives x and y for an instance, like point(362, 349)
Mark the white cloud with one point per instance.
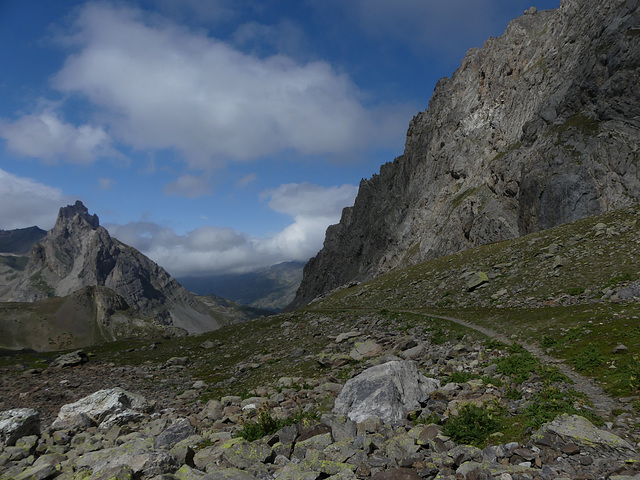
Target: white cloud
point(45, 136)
point(189, 186)
point(219, 250)
point(106, 184)
point(246, 180)
point(25, 202)
point(160, 86)
point(308, 200)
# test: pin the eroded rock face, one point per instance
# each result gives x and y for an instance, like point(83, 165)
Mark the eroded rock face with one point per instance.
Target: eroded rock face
point(537, 128)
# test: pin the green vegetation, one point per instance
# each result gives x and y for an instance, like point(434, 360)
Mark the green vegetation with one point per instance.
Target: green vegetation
point(587, 359)
point(519, 365)
point(551, 402)
point(474, 424)
point(265, 424)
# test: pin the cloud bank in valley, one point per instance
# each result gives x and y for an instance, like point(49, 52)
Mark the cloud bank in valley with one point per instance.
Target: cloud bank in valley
point(220, 250)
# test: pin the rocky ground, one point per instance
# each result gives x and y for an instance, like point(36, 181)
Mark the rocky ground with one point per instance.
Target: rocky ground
point(157, 424)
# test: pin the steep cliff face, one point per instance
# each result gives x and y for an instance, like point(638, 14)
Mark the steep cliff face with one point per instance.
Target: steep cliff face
point(78, 253)
point(539, 127)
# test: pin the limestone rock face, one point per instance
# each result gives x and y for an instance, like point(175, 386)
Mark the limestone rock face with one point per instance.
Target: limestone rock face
point(78, 253)
point(539, 127)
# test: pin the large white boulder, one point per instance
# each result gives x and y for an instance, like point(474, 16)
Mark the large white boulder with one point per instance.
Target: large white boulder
point(99, 407)
point(387, 391)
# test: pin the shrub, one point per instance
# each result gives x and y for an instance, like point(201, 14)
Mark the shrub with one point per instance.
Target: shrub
point(474, 424)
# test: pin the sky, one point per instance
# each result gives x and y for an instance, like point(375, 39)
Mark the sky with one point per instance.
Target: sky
point(217, 136)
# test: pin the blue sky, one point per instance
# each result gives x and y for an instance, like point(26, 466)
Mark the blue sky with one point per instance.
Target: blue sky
point(217, 135)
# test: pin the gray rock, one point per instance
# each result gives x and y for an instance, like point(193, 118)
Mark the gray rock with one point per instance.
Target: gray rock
point(620, 349)
point(387, 391)
point(177, 432)
point(72, 359)
point(99, 407)
point(581, 432)
point(138, 456)
point(17, 423)
point(476, 280)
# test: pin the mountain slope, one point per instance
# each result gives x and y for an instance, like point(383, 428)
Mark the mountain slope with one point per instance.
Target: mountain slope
point(539, 127)
point(79, 253)
point(20, 240)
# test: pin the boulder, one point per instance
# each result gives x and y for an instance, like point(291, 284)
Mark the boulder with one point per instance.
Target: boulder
point(574, 429)
point(17, 423)
point(177, 432)
point(99, 407)
point(476, 280)
point(386, 391)
point(72, 359)
point(362, 350)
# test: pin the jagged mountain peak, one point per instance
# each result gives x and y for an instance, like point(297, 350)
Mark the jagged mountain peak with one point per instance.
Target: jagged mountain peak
point(79, 253)
point(76, 214)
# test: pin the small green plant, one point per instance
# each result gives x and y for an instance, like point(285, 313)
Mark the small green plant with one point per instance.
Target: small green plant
point(587, 359)
point(513, 394)
point(460, 377)
point(265, 424)
point(495, 381)
point(474, 424)
point(551, 374)
point(575, 291)
point(548, 341)
point(519, 365)
point(438, 337)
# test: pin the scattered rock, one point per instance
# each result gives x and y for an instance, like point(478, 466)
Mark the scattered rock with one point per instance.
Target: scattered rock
point(620, 349)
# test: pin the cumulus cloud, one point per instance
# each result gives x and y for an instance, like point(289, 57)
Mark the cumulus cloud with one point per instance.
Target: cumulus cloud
point(45, 136)
point(220, 250)
point(189, 186)
point(25, 202)
point(106, 184)
point(161, 86)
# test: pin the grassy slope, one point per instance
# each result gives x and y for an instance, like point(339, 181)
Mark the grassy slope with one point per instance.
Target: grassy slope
point(549, 288)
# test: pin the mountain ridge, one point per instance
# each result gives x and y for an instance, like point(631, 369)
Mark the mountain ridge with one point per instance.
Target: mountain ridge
point(78, 253)
point(538, 127)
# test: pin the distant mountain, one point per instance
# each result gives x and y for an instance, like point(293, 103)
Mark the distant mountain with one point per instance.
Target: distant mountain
point(268, 288)
point(20, 241)
point(539, 127)
point(78, 253)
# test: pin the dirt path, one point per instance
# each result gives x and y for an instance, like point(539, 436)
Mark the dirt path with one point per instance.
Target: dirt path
point(601, 401)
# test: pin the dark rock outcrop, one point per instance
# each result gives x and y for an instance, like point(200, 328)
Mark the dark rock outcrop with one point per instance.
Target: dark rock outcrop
point(539, 127)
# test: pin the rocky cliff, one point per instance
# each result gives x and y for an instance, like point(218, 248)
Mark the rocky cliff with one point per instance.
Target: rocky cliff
point(79, 253)
point(538, 127)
